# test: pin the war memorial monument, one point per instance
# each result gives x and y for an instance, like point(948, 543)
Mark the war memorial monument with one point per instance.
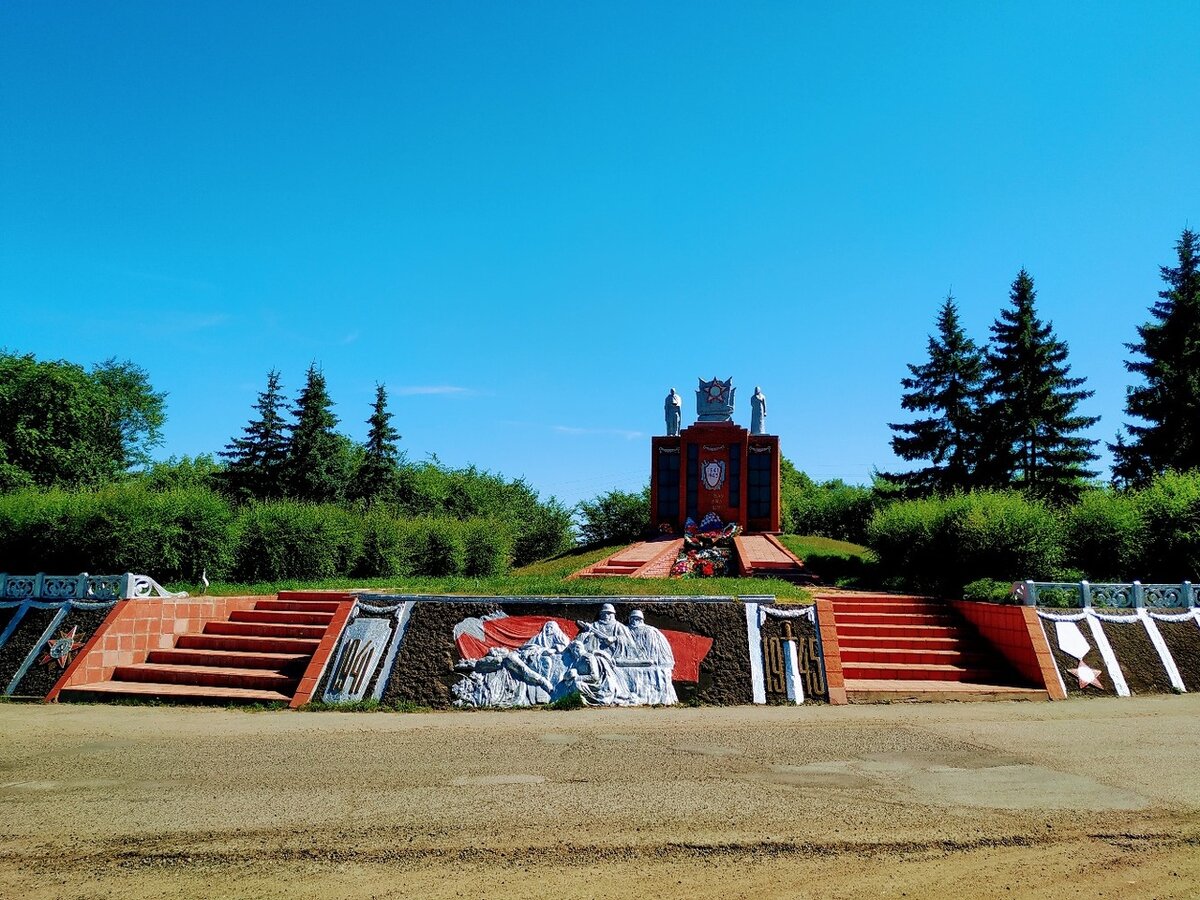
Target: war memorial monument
point(715, 510)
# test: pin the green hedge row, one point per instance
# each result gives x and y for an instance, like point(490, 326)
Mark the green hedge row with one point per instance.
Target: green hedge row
point(174, 535)
point(942, 544)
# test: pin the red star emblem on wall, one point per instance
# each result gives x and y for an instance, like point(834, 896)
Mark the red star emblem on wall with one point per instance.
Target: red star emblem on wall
point(60, 649)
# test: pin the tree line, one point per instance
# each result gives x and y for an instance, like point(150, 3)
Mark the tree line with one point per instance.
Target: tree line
point(65, 426)
point(75, 448)
point(307, 459)
point(1007, 414)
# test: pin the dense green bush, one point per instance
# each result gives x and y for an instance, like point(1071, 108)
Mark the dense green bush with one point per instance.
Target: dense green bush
point(438, 547)
point(286, 539)
point(538, 528)
point(903, 536)
point(941, 544)
point(1170, 512)
point(616, 517)
point(40, 532)
point(989, 590)
point(386, 546)
point(1002, 535)
point(1104, 535)
point(830, 509)
point(174, 534)
point(486, 548)
point(170, 535)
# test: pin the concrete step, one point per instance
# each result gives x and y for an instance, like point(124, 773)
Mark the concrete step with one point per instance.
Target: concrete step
point(278, 662)
point(868, 596)
point(247, 643)
point(967, 658)
point(281, 617)
point(324, 606)
point(860, 690)
point(191, 693)
point(208, 676)
point(265, 629)
point(312, 596)
point(884, 606)
point(891, 631)
point(877, 618)
point(871, 640)
point(894, 671)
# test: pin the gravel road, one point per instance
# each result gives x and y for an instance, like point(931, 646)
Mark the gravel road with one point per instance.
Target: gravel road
point(1077, 799)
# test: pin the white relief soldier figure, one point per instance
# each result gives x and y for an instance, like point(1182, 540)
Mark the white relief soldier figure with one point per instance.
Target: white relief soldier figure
point(651, 683)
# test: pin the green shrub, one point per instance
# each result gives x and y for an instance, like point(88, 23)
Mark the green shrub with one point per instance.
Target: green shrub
point(903, 537)
point(831, 509)
point(1104, 535)
point(170, 535)
point(286, 539)
point(387, 546)
point(438, 547)
point(486, 548)
point(539, 528)
point(40, 532)
point(1058, 598)
point(617, 517)
point(1170, 511)
point(941, 544)
point(989, 590)
point(1002, 535)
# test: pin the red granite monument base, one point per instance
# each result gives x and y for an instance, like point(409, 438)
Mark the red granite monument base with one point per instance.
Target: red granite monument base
point(715, 467)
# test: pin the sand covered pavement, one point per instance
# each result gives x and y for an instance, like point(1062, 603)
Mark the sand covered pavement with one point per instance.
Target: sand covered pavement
point(1076, 799)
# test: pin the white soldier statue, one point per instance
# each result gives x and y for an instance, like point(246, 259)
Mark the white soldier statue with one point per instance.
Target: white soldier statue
point(758, 412)
point(673, 410)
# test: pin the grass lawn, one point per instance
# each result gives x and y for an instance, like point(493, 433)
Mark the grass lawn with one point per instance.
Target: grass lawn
point(546, 578)
point(835, 562)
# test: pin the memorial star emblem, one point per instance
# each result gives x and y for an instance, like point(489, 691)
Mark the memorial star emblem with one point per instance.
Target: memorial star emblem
point(59, 649)
point(1088, 677)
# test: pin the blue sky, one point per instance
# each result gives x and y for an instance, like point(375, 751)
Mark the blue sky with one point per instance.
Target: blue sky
point(529, 220)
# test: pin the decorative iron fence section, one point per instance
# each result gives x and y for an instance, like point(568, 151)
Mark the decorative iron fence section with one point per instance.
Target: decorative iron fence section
point(1085, 595)
point(80, 587)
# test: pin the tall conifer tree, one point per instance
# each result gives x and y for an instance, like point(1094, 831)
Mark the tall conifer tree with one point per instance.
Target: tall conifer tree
point(1032, 427)
point(947, 389)
point(376, 477)
point(1168, 400)
point(317, 467)
point(255, 461)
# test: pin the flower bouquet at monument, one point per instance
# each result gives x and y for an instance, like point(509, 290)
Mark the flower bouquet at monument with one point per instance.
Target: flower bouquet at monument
point(707, 548)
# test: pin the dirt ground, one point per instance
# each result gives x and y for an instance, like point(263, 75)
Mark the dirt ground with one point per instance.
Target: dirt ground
point(1096, 798)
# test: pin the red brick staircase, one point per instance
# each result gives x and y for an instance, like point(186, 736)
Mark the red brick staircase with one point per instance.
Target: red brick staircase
point(645, 559)
point(902, 647)
point(255, 655)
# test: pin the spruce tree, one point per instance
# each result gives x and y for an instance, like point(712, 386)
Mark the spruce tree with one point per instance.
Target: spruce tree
point(947, 388)
point(317, 466)
point(255, 461)
point(1032, 427)
point(376, 478)
point(1168, 400)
